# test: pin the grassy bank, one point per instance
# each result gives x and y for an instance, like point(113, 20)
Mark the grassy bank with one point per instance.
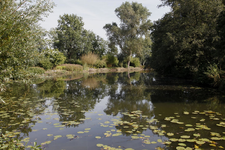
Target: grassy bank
point(70, 70)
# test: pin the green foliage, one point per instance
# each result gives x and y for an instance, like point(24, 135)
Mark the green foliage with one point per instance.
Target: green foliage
point(70, 67)
point(20, 34)
point(133, 29)
point(185, 39)
point(36, 70)
point(70, 61)
point(74, 41)
point(78, 61)
point(60, 68)
point(100, 64)
point(74, 61)
point(52, 88)
point(220, 53)
point(99, 45)
point(112, 60)
point(51, 58)
point(135, 62)
point(214, 73)
point(12, 144)
point(45, 63)
point(85, 66)
point(69, 33)
point(89, 59)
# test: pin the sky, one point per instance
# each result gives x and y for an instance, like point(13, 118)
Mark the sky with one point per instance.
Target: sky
point(97, 13)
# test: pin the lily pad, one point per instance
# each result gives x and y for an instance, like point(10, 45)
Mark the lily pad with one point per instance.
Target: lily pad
point(97, 137)
point(170, 134)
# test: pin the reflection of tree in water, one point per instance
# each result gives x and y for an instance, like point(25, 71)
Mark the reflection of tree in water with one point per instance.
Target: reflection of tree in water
point(129, 97)
point(20, 107)
point(52, 88)
point(77, 98)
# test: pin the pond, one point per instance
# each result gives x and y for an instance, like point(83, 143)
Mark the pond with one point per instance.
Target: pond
point(114, 111)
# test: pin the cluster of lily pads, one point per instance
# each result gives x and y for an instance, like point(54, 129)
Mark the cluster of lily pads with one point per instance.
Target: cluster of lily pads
point(189, 136)
point(184, 131)
point(194, 136)
point(16, 116)
point(133, 129)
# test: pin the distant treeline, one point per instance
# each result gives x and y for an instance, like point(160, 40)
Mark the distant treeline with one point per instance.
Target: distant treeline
point(187, 42)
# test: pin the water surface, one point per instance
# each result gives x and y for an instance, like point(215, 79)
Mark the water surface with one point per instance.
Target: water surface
point(114, 111)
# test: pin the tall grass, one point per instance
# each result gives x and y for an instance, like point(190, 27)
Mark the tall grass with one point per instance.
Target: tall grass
point(89, 59)
point(69, 67)
point(90, 83)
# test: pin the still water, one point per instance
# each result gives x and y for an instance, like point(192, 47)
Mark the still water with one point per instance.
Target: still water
point(114, 111)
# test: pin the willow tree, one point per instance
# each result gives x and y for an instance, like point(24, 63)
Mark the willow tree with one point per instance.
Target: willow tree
point(134, 27)
point(20, 33)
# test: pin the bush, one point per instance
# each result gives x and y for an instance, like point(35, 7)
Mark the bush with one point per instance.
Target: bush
point(86, 67)
point(70, 67)
point(89, 59)
point(60, 68)
point(73, 61)
point(36, 70)
point(121, 64)
point(100, 64)
point(45, 63)
point(135, 62)
point(58, 58)
point(78, 61)
point(51, 58)
point(111, 60)
point(70, 61)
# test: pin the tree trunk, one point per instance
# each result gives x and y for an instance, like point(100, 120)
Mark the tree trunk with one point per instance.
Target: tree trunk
point(128, 64)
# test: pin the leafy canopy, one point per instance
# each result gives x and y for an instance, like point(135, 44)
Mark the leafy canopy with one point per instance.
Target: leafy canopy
point(133, 29)
point(73, 40)
point(184, 40)
point(20, 34)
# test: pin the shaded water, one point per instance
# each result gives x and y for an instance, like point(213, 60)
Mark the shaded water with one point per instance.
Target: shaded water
point(112, 111)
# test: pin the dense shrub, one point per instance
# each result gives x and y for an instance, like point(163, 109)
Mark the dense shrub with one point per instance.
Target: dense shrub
point(36, 70)
point(51, 58)
point(85, 67)
point(70, 61)
point(100, 64)
point(70, 67)
point(79, 62)
point(45, 63)
point(111, 60)
point(60, 68)
point(89, 59)
point(74, 61)
point(135, 62)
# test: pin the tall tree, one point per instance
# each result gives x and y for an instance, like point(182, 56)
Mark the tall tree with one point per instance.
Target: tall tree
point(69, 34)
point(20, 33)
point(73, 40)
point(221, 44)
point(134, 27)
point(184, 39)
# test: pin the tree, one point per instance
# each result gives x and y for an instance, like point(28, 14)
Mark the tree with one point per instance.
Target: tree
point(134, 27)
point(73, 40)
point(184, 39)
point(146, 50)
point(69, 35)
point(221, 44)
point(51, 58)
point(100, 46)
point(20, 34)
